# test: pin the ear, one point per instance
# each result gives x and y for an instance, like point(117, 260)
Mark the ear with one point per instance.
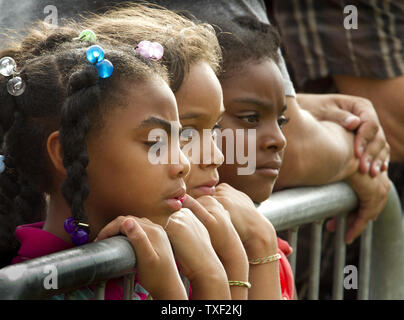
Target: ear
point(55, 152)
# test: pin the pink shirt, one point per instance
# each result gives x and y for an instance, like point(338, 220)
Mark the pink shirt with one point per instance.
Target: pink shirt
point(36, 242)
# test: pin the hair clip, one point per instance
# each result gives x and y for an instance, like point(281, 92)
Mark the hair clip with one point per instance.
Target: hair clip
point(95, 55)
point(78, 231)
point(150, 50)
point(8, 67)
point(87, 35)
point(2, 164)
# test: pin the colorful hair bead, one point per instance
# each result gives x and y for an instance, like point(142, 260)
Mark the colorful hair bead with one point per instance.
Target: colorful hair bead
point(150, 50)
point(2, 164)
point(87, 35)
point(8, 67)
point(78, 235)
point(16, 86)
point(95, 55)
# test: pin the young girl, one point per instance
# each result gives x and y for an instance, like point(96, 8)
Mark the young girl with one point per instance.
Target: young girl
point(76, 129)
point(200, 105)
point(191, 57)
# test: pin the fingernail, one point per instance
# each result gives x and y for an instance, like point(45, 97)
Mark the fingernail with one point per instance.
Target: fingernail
point(378, 166)
point(350, 119)
point(367, 165)
point(129, 225)
point(361, 149)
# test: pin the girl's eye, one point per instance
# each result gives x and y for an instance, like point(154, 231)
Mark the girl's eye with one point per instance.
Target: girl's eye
point(251, 118)
point(152, 143)
point(282, 121)
point(188, 133)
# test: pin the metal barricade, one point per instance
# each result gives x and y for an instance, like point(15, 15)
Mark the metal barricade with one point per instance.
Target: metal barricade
point(381, 255)
point(381, 275)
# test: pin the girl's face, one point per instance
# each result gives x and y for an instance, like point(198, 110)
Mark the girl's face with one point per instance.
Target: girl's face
point(254, 98)
point(200, 106)
point(122, 179)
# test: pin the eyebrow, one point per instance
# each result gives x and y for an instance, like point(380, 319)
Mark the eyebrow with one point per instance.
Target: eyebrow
point(259, 103)
point(195, 115)
point(156, 122)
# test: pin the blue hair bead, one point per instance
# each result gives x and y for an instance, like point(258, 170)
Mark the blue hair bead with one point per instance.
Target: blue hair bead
point(95, 54)
point(2, 164)
point(105, 69)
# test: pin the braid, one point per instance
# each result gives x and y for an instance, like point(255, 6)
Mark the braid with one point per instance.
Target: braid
point(63, 92)
point(84, 97)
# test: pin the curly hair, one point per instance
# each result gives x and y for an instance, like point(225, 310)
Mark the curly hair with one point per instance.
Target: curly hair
point(186, 41)
point(245, 40)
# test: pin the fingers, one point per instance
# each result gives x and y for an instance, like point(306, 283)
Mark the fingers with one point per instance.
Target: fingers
point(111, 229)
point(365, 134)
point(331, 225)
point(139, 239)
point(131, 227)
point(357, 222)
point(376, 154)
point(197, 209)
point(380, 161)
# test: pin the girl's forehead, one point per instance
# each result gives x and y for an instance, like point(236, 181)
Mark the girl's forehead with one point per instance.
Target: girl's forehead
point(258, 80)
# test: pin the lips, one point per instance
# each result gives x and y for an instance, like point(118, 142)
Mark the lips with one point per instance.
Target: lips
point(208, 188)
point(175, 200)
point(269, 169)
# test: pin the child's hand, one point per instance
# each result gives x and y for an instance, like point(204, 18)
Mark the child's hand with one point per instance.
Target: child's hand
point(217, 221)
point(196, 257)
point(224, 238)
point(154, 256)
point(259, 239)
point(256, 232)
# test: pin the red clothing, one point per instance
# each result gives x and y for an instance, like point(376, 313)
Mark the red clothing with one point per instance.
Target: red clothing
point(285, 270)
point(36, 242)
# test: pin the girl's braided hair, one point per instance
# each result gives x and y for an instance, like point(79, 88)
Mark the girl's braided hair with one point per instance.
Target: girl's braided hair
point(63, 92)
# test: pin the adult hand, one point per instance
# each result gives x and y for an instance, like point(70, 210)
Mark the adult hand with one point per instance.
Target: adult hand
point(154, 255)
point(354, 114)
point(372, 194)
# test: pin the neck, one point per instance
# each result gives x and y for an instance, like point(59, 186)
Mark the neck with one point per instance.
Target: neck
point(58, 211)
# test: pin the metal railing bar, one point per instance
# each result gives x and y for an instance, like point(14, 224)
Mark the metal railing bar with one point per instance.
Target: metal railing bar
point(364, 262)
point(292, 239)
point(99, 291)
point(315, 259)
point(339, 259)
point(128, 286)
point(77, 267)
point(290, 208)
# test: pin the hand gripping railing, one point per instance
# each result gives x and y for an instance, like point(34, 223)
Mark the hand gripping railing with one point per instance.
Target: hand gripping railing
point(381, 260)
point(381, 272)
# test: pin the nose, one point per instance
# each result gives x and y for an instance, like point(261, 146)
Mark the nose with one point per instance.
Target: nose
point(211, 156)
point(182, 168)
point(273, 139)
